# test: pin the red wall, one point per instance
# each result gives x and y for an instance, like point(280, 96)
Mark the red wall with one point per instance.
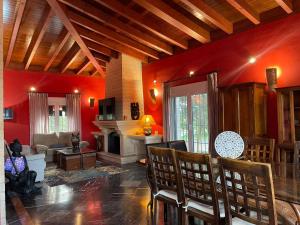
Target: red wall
point(16, 87)
point(274, 44)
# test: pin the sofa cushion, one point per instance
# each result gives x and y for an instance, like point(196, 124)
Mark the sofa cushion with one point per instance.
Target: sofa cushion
point(45, 139)
point(65, 138)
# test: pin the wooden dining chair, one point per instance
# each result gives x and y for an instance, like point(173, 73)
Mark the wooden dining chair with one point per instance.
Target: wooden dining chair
point(166, 181)
point(248, 192)
point(199, 191)
point(259, 149)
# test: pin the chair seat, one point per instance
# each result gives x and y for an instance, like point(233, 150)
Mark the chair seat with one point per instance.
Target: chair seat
point(206, 208)
point(253, 214)
point(238, 221)
point(168, 194)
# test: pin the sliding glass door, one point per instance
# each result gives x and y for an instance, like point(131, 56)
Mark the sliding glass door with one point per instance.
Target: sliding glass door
point(190, 116)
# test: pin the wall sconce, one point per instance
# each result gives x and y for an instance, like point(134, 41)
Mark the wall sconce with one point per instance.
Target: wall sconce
point(76, 91)
point(153, 92)
point(92, 102)
point(271, 75)
point(32, 89)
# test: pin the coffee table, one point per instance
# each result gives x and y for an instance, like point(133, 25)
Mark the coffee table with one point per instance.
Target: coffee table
point(75, 160)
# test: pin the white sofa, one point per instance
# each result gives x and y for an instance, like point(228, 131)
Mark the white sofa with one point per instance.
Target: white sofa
point(36, 162)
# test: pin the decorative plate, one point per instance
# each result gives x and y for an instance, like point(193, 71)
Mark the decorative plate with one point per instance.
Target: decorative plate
point(229, 144)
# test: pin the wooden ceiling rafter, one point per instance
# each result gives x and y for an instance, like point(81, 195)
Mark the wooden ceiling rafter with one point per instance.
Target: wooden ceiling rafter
point(83, 66)
point(101, 49)
point(246, 10)
point(38, 36)
point(101, 57)
point(176, 19)
point(69, 58)
point(103, 64)
point(60, 11)
point(59, 44)
point(108, 33)
point(142, 21)
point(15, 31)
point(210, 14)
point(130, 31)
point(287, 5)
point(97, 38)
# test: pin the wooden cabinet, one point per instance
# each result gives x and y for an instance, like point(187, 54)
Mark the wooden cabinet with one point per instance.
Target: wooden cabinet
point(288, 107)
point(243, 109)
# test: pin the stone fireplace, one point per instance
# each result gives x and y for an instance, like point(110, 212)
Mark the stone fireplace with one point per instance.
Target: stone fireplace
point(119, 132)
point(124, 83)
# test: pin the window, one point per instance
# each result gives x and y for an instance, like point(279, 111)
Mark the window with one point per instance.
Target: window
point(190, 116)
point(58, 121)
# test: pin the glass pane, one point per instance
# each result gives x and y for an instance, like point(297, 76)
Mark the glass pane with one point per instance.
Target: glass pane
point(62, 119)
point(200, 123)
point(51, 119)
point(181, 119)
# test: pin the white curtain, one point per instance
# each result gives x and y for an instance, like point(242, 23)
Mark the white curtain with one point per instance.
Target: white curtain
point(38, 112)
point(74, 112)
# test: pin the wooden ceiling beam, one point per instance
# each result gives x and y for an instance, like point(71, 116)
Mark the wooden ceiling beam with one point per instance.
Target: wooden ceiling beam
point(210, 14)
point(101, 57)
point(60, 11)
point(176, 19)
point(130, 31)
point(92, 36)
point(101, 29)
point(144, 22)
point(103, 64)
point(38, 36)
point(58, 45)
point(83, 66)
point(15, 31)
point(245, 9)
point(69, 58)
point(287, 5)
point(101, 49)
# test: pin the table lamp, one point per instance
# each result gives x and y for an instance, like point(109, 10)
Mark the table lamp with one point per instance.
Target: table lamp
point(147, 121)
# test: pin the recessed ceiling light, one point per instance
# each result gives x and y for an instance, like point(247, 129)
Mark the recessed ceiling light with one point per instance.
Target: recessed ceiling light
point(76, 91)
point(32, 89)
point(252, 60)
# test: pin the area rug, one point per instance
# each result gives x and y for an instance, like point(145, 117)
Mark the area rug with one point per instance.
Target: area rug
point(55, 176)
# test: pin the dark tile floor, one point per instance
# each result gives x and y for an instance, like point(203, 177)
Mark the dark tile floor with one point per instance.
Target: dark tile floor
point(114, 200)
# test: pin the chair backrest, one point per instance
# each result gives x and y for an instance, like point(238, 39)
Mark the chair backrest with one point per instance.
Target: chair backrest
point(297, 152)
point(178, 145)
point(195, 171)
point(248, 191)
point(259, 149)
point(164, 170)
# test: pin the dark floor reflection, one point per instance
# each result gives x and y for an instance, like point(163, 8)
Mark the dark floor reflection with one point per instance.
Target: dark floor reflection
point(113, 200)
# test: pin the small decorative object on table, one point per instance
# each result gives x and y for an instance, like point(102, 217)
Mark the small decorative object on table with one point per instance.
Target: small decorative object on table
point(135, 110)
point(147, 122)
point(75, 139)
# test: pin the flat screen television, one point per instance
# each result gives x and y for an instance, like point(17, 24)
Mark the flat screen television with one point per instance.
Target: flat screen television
point(107, 109)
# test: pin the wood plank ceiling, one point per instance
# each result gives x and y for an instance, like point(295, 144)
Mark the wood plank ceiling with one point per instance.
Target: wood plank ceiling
point(81, 36)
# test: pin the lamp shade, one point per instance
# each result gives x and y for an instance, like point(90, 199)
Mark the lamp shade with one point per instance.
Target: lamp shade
point(147, 120)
